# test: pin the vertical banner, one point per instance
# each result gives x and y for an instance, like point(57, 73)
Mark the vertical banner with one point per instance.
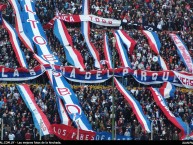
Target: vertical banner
point(177, 121)
point(183, 52)
point(41, 122)
point(136, 107)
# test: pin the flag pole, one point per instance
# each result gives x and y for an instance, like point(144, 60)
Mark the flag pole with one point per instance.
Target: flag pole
point(113, 111)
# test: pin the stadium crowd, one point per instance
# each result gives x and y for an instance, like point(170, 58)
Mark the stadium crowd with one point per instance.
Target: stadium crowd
point(167, 15)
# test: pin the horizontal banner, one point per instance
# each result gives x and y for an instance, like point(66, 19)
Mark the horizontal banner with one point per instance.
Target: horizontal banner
point(182, 79)
point(84, 18)
point(70, 133)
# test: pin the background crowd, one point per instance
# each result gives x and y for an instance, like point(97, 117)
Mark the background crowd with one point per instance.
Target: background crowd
point(167, 15)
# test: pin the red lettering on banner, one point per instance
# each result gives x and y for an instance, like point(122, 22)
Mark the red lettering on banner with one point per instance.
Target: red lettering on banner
point(103, 20)
point(39, 40)
point(63, 91)
point(97, 19)
point(33, 22)
point(176, 39)
point(49, 57)
point(27, 10)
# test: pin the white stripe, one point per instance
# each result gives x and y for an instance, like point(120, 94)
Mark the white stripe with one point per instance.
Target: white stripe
point(107, 50)
point(64, 116)
point(151, 38)
point(21, 59)
point(97, 64)
point(35, 111)
point(135, 107)
point(69, 48)
point(87, 81)
point(125, 40)
point(20, 26)
point(121, 51)
point(36, 31)
point(163, 65)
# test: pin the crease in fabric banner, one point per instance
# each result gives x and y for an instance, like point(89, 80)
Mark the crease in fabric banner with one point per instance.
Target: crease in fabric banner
point(62, 112)
point(20, 27)
point(177, 121)
point(72, 106)
point(85, 30)
point(36, 33)
point(135, 105)
point(182, 52)
point(40, 120)
point(107, 52)
point(167, 90)
point(73, 56)
point(125, 62)
point(15, 44)
point(127, 40)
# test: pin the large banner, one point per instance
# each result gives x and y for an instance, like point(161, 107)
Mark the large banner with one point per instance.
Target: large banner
point(15, 44)
point(73, 56)
point(183, 52)
point(41, 122)
point(35, 32)
point(176, 120)
point(70, 133)
point(72, 106)
point(135, 105)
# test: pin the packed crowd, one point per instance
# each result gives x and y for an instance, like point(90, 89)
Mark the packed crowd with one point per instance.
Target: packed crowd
point(169, 16)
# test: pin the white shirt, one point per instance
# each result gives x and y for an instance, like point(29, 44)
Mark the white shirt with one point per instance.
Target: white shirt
point(11, 136)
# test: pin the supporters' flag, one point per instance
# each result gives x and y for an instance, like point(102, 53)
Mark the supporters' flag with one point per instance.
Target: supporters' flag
point(85, 30)
point(108, 136)
point(136, 107)
point(72, 106)
point(71, 133)
point(20, 28)
point(153, 40)
point(73, 56)
point(167, 90)
point(177, 121)
point(1, 18)
point(62, 112)
point(122, 51)
point(36, 32)
point(40, 120)
point(162, 63)
point(128, 41)
point(15, 44)
point(107, 52)
point(183, 52)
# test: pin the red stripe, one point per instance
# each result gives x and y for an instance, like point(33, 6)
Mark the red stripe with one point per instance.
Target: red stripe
point(133, 42)
point(119, 51)
point(105, 53)
point(44, 117)
point(130, 103)
point(153, 47)
point(173, 120)
point(13, 44)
